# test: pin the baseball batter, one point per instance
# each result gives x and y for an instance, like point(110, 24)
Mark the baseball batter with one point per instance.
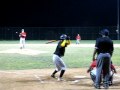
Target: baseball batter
point(104, 49)
point(22, 36)
point(59, 52)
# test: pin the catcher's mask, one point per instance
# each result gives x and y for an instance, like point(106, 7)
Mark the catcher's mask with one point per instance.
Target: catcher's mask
point(63, 36)
point(104, 32)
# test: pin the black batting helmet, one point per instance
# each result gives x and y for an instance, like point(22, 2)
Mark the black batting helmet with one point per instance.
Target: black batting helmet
point(63, 36)
point(104, 32)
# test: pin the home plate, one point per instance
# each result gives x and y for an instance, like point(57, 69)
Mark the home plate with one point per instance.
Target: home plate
point(79, 76)
point(75, 81)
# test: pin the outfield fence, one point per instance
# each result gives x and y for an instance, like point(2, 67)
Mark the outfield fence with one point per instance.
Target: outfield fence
point(51, 33)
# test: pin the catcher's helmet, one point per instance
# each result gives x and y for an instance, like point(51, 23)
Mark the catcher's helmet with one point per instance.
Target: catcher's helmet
point(104, 32)
point(63, 36)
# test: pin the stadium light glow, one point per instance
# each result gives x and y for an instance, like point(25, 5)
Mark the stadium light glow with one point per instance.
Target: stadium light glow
point(118, 32)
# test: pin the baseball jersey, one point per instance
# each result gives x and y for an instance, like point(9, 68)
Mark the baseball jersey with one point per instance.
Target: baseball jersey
point(104, 45)
point(23, 34)
point(60, 49)
point(78, 37)
point(93, 68)
point(94, 63)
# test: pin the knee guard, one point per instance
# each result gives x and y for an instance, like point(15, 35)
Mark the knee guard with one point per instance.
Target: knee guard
point(93, 77)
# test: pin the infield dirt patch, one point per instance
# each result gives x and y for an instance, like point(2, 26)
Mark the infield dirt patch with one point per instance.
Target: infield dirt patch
point(39, 79)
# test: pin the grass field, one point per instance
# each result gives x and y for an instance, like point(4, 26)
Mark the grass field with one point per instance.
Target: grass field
point(31, 68)
point(75, 56)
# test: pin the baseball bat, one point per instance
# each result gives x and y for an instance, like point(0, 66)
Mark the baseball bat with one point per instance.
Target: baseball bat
point(51, 41)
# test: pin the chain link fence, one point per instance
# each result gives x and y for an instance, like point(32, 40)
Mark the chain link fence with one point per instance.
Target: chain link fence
point(51, 33)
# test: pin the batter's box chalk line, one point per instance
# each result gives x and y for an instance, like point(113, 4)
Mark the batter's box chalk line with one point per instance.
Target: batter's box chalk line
point(39, 79)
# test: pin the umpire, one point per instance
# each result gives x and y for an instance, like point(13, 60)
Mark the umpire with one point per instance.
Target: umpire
point(104, 49)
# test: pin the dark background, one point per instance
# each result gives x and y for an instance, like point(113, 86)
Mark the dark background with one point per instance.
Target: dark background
point(58, 13)
point(48, 19)
point(53, 33)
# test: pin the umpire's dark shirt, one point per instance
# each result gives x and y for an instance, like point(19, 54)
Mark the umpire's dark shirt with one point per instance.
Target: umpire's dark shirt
point(104, 45)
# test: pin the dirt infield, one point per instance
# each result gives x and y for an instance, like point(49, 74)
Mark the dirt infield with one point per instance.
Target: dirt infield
point(39, 79)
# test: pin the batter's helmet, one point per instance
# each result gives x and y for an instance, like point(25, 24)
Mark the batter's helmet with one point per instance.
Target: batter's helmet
point(104, 32)
point(63, 36)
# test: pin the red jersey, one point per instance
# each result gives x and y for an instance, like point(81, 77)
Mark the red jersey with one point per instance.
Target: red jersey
point(93, 65)
point(23, 34)
point(78, 37)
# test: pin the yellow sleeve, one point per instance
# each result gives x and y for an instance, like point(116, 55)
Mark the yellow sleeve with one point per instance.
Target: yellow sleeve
point(68, 42)
point(63, 43)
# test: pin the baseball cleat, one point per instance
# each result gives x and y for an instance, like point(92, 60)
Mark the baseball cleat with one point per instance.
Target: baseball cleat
point(110, 83)
point(53, 76)
point(106, 86)
point(97, 86)
point(60, 79)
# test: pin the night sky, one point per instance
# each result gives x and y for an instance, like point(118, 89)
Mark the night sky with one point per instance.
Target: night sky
point(58, 13)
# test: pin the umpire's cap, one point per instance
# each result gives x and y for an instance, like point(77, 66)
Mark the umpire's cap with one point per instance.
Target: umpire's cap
point(104, 32)
point(63, 36)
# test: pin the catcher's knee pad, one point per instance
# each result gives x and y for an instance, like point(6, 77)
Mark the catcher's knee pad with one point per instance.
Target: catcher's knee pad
point(93, 77)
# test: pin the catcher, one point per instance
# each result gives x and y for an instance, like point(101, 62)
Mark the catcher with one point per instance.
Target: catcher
point(59, 52)
point(92, 70)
